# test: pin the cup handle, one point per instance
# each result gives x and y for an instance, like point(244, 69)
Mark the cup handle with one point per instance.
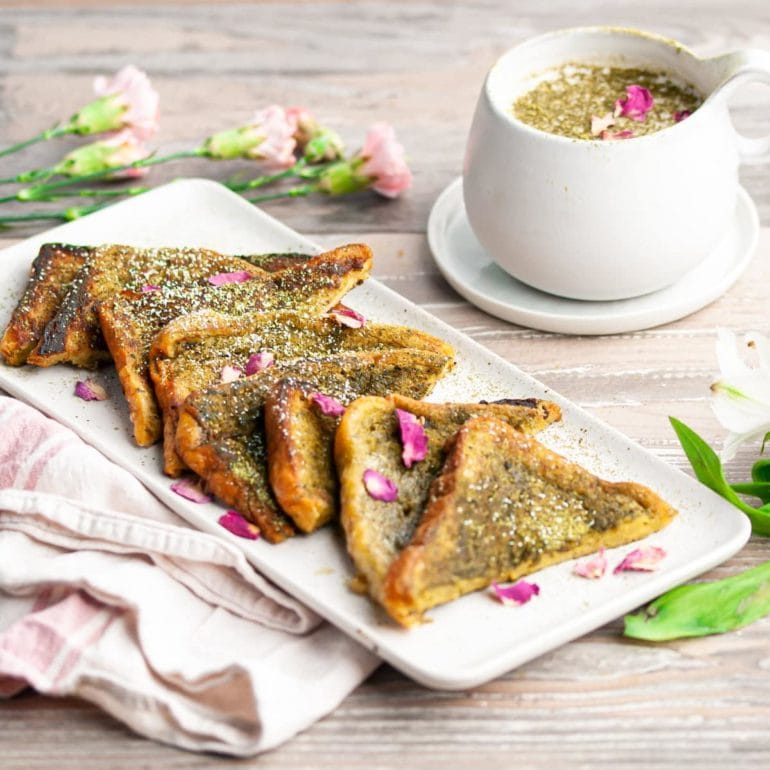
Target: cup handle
point(738, 67)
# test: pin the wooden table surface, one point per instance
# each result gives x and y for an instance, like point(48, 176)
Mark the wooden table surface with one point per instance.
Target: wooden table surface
point(601, 701)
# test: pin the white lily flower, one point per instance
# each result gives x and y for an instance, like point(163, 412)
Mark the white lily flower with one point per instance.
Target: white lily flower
point(741, 397)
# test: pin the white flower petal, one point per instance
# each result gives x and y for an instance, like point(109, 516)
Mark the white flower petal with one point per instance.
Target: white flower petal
point(730, 363)
point(762, 345)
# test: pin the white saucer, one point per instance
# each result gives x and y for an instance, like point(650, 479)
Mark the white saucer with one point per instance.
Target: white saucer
point(472, 273)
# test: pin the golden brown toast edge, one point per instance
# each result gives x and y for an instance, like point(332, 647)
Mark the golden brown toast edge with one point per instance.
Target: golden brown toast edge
point(53, 270)
point(291, 423)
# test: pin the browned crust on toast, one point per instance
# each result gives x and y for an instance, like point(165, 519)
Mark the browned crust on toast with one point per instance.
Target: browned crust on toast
point(300, 453)
point(53, 270)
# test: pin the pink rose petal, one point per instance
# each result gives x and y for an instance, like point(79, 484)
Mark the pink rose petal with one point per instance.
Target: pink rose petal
point(380, 487)
point(148, 287)
point(414, 440)
point(594, 567)
point(259, 361)
point(645, 559)
point(89, 390)
point(518, 593)
point(237, 276)
point(230, 373)
point(598, 125)
point(328, 405)
point(626, 133)
point(234, 523)
point(636, 104)
point(190, 490)
point(680, 115)
point(347, 317)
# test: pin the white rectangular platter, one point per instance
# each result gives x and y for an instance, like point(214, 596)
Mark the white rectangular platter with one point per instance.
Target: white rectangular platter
point(469, 641)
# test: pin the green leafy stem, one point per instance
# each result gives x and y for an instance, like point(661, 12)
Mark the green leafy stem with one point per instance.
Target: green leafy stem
point(712, 607)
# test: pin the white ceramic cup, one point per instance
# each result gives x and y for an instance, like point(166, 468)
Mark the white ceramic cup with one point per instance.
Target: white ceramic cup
point(598, 219)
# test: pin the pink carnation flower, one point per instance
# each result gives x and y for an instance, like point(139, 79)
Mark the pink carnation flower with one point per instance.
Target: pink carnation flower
point(133, 91)
point(120, 149)
point(127, 147)
point(384, 161)
point(275, 126)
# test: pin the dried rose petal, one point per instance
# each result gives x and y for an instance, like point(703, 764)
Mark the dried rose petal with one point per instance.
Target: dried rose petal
point(259, 361)
point(645, 559)
point(414, 440)
point(328, 405)
point(680, 115)
point(90, 390)
point(380, 487)
point(190, 490)
point(594, 567)
point(234, 523)
point(636, 104)
point(626, 133)
point(598, 125)
point(347, 317)
point(518, 593)
point(148, 287)
point(230, 373)
point(238, 276)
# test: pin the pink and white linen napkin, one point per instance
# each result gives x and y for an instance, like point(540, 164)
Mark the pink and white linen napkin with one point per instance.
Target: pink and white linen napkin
point(107, 595)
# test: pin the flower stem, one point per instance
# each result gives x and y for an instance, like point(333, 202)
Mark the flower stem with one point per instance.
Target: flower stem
point(293, 192)
point(66, 215)
point(49, 133)
point(41, 191)
point(98, 193)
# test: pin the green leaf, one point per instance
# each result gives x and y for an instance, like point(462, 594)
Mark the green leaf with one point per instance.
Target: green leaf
point(704, 608)
point(760, 471)
point(708, 470)
point(759, 489)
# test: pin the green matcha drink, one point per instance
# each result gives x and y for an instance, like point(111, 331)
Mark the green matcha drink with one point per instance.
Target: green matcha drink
point(586, 101)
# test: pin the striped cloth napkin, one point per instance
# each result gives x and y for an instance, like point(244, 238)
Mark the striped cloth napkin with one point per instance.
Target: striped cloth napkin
point(107, 595)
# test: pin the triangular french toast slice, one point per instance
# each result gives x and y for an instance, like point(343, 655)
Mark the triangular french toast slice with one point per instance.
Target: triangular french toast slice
point(368, 438)
point(299, 429)
point(192, 352)
point(220, 430)
point(73, 334)
point(52, 273)
point(130, 322)
point(505, 506)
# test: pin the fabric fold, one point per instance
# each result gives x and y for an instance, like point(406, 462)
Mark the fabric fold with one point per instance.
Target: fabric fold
point(108, 595)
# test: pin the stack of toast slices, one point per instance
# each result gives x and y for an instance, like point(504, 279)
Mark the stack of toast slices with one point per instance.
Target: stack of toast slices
point(282, 400)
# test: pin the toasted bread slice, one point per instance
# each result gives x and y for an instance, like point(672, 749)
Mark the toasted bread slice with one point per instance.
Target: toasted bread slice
point(368, 438)
point(300, 442)
point(300, 454)
point(130, 322)
point(220, 436)
point(505, 506)
point(53, 271)
point(191, 352)
point(73, 334)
